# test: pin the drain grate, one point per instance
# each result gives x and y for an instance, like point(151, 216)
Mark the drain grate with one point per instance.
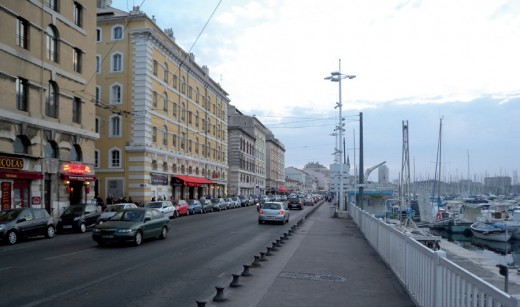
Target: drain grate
point(313, 277)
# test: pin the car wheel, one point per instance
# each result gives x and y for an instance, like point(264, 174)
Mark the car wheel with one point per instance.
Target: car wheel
point(82, 227)
point(50, 232)
point(138, 239)
point(101, 243)
point(12, 237)
point(164, 233)
point(187, 212)
point(259, 222)
point(176, 214)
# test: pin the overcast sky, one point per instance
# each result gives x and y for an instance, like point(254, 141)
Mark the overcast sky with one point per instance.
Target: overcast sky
point(415, 61)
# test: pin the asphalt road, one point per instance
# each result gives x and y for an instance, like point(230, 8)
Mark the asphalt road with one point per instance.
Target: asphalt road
point(200, 252)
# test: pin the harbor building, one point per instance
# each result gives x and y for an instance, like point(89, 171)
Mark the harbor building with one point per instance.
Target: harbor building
point(161, 118)
point(47, 118)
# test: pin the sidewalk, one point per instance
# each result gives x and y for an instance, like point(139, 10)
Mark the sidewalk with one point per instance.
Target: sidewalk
point(326, 262)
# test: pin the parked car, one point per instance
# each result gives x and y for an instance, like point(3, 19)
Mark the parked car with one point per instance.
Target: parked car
point(132, 225)
point(25, 222)
point(295, 203)
point(165, 206)
point(244, 200)
point(236, 201)
point(113, 209)
point(218, 204)
point(194, 206)
point(181, 206)
point(273, 212)
point(308, 201)
point(207, 206)
point(78, 218)
point(231, 204)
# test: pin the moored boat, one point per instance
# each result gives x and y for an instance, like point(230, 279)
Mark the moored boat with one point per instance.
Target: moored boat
point(493, 232)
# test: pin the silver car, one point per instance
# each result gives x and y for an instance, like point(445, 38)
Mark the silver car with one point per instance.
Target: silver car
point(273, 212)
point(111, 210)
point(165, 206)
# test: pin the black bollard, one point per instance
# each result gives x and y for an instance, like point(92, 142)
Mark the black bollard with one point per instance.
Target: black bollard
point(278, 243)
point(289, 233)
point(201, 303)
point(274, 249)
point(268, 253)
point(282, 240)
point(285, 236)
point(246, 270)
point(219, 297)
point(256, 262)
point(262, 256)
point(234, 283)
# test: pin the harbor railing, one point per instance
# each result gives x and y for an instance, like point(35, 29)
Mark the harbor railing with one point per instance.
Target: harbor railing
point(427, 275)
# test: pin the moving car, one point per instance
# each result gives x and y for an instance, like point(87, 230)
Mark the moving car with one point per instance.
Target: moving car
point(132, 225)
point(181, 206)
point(194, 206)
point(165, 206)
point(25, 222)
point(113, 209)
point(295, 203)
point(308, 201)
point(273, 212)
point(78, 218)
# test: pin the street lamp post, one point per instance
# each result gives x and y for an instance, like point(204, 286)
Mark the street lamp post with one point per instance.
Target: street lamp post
point(337, 76)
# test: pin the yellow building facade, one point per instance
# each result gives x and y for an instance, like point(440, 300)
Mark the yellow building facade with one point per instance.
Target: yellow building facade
point(47, 110)
point(162, 120)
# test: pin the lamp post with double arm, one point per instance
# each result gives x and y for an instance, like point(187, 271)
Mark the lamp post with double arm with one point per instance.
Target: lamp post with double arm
point(337, 76)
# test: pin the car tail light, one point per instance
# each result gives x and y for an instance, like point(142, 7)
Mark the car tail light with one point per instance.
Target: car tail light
point(281, 212)
point(261, 211)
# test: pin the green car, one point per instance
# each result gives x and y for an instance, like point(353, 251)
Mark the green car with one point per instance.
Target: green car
point(132, 225)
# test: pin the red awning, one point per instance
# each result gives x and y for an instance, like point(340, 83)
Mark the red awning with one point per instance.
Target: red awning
point(281, 189)
point(195, 181)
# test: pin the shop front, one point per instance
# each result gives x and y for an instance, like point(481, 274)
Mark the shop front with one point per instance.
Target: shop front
point(16, 183)
point(77, 182)
point(190, 187)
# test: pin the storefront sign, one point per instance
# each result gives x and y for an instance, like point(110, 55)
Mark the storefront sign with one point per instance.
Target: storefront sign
point(11, 163)
point(36, 200)
point(158, 179)
point(75, 168)
point(6, 195)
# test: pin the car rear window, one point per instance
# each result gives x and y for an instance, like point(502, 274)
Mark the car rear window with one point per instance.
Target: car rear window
point(271, 206)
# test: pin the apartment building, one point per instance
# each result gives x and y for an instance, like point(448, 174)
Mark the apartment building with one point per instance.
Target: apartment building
point(162, 120)
point(47, 110)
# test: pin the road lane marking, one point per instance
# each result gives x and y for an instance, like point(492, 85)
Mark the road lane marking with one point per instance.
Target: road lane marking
point(70, 254)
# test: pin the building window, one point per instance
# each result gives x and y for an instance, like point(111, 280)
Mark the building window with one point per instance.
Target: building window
point(115, 126)
point(76, 60)
point(22, 31)
point(197, 95)
point(53, 4)
point(96, 158)
point(75, 153)
point(154, 68)
point(117, 32)
point(98, 94)
point(99, 35)
point(76, 110)
point(98, 64)
point(174, 140)
point(21, 145)
point(182, 140)
point(165, 102)
point(51, 105)
point(77, 16)
point(175, 81)
point(51, 150)
point(22, 92)
point(115, 94)
point(165, 136)
point(98, 120)
point(154, 134)
point(190, 90)
point(183, 112)
point(165, 76)
point(183, 85)
point(197, 119)
point(117, 62)
point(154, 99)
point(51, 39)
point(115, 158)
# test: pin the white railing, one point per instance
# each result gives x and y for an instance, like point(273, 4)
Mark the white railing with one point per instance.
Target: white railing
point(428, 276)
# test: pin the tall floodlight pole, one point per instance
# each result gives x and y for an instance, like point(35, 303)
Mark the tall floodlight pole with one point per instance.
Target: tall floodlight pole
point(337, 76)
